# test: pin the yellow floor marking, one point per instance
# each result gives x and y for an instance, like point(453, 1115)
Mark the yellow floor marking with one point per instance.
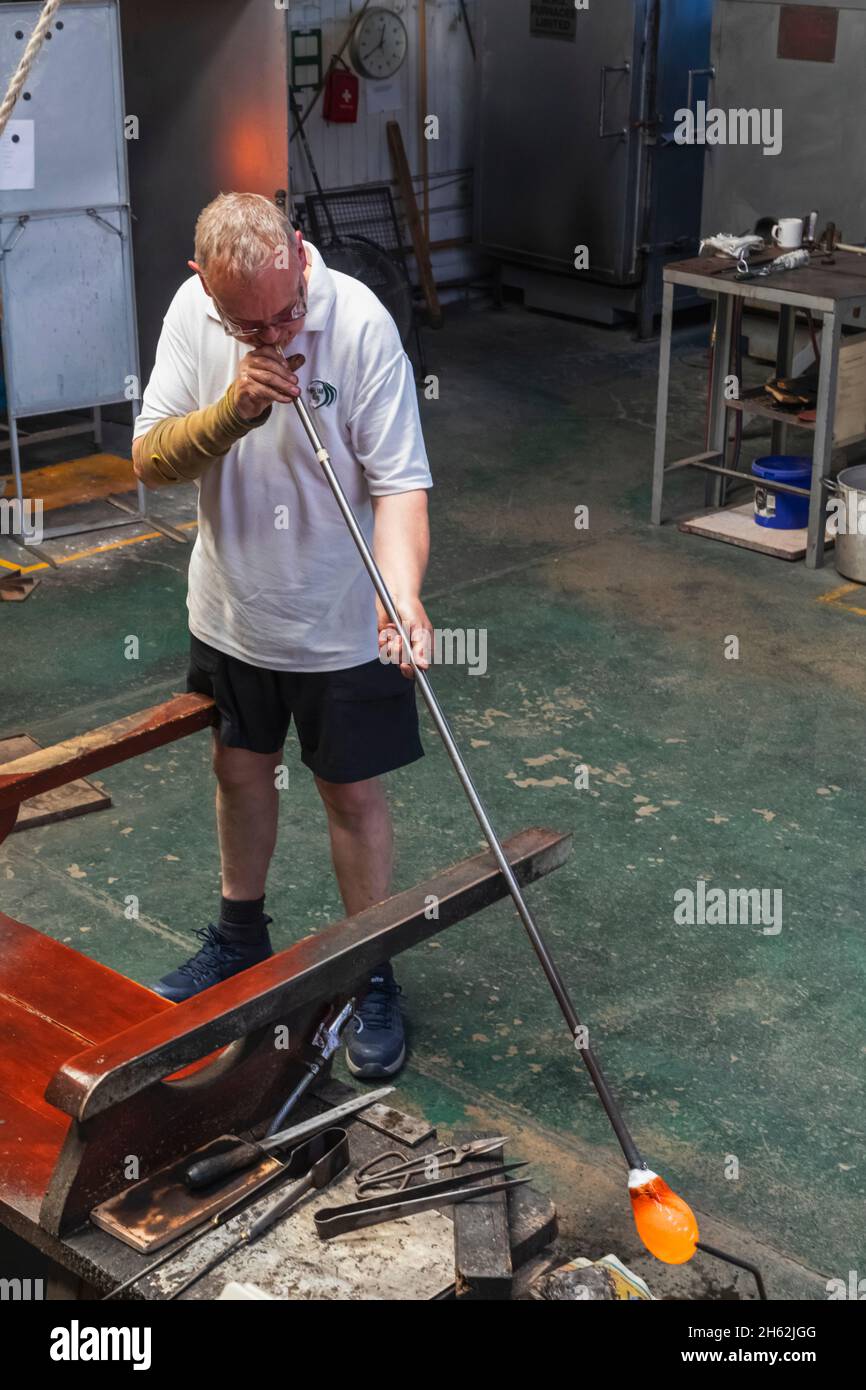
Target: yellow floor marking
point(833, 594)
point(836, 594)
point(99, 549)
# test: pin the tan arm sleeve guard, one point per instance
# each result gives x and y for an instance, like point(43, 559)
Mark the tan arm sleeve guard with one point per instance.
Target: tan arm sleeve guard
point(179, 448)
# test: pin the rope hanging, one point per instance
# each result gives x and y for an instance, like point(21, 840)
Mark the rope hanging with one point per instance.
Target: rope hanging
point(28, 58)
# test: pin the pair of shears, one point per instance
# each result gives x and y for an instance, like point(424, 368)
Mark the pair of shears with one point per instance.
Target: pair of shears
point(373, 1175)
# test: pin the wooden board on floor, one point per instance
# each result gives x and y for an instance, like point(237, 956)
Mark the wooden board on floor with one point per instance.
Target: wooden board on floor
point(396, 1124)
point(15, 587)
point(482, 1240)
point(75, 799)
point(737, 526)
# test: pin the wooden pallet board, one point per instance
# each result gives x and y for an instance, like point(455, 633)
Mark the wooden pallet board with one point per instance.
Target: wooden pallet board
point(75, 799)
point(737, 526)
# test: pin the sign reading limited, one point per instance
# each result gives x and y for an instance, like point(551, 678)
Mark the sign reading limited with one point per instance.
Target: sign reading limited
point(554, 19)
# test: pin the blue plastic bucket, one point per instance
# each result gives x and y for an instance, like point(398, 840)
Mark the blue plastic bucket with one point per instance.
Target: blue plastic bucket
point(779, 509)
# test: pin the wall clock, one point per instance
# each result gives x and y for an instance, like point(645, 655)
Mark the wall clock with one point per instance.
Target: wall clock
point(379, 44)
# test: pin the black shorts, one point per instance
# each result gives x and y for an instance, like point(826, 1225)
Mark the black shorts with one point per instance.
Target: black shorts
point(352, 724)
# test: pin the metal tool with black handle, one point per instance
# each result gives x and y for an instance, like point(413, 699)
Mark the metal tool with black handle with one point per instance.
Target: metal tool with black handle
point(245, 1153)
point(328, 1156)
point(298, 1162)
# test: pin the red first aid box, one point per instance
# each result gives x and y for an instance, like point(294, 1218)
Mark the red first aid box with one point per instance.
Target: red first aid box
point(341, 95)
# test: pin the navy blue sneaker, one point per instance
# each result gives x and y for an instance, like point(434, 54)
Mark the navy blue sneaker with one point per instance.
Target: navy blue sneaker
point(217, 960)
point(376, 1041)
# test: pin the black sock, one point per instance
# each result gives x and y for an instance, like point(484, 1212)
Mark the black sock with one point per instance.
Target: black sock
point(242, 921)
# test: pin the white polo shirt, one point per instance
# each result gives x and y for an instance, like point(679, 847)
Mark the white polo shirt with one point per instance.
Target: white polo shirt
point(275, 578)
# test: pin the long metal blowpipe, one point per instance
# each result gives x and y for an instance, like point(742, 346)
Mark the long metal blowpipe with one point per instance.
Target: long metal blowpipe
point(557, 984)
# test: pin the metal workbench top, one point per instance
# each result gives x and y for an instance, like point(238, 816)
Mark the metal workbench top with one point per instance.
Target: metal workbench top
point(823, 288)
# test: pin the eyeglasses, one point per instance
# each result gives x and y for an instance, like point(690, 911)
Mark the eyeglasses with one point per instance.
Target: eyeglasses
point(244, 331)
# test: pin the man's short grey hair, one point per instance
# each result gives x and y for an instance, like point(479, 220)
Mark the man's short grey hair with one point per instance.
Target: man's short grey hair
point(242, 233)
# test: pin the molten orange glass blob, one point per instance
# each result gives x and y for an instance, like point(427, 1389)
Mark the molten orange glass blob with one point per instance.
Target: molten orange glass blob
point(665, 1223)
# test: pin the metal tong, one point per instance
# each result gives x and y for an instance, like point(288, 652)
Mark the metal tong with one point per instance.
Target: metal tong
point(370, 1176)
point(393, 1206)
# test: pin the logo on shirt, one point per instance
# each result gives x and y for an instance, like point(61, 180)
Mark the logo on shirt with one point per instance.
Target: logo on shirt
point(321, 393)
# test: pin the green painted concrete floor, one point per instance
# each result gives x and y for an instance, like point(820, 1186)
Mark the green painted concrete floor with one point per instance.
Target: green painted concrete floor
point(732, 1050)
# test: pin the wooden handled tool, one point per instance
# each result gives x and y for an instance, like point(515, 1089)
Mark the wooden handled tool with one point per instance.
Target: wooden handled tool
point(328, 1155)
point(244, 1153)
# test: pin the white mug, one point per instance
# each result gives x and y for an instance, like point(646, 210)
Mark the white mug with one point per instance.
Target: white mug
point(788, 233)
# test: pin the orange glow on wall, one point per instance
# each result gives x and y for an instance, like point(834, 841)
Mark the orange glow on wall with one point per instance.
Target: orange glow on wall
point(249, 152)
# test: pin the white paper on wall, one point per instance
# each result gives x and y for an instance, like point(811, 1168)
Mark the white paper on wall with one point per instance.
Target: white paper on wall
point(17, 156)
point(383, 96)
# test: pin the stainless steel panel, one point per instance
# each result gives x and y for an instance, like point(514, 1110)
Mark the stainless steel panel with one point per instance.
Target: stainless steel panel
point(547, 180)
point(68, 333)
point(823, 119)
point(76, 102)
point(68, 327)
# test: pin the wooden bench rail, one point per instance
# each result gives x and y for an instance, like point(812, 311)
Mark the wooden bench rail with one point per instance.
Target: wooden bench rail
point(52, 767)
point(320, 967)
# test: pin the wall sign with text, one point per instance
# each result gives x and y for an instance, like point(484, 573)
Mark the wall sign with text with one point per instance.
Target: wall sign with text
point(553, 19)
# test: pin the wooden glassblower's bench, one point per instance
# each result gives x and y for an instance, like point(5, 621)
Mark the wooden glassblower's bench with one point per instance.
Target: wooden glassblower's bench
point(89, 1060)
point(831, 292)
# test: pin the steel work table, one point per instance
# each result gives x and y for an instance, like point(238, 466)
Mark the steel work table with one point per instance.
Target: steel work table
point(832, 293)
